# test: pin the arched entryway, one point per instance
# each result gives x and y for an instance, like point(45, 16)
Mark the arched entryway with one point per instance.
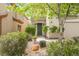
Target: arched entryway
point(39, 24)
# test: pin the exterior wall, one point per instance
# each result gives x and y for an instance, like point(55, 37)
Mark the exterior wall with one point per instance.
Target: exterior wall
point(7, 24)
point(51, 22)
point(26, 22)
point(14, 26)
point(41, 20)
point(71, 29)
point(0, 26)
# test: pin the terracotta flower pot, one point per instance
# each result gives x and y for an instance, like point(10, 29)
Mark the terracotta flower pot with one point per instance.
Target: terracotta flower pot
point(35, 47)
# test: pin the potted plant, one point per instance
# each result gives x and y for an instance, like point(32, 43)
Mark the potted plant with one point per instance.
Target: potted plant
point(35, 46)
point(42, 43)
point(53, 32)
point(45, 29)
point(34, 38)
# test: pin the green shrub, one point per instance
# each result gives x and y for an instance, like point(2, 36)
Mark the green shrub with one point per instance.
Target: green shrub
point(67, 48)
point(34, 37)
point(53, 29)
point(76, 39)
point(30, 29)
point(45, 29)
point(13, 44)
point(42, 43)
point(29, 37)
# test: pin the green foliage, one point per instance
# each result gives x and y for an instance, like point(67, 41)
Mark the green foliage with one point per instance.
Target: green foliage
point(45, 29)
point(42, 43)
point(34, 37)
point(66, 48)
point(30, 10)
point(76, 39)
point(53, 29)
point(30, 29)
point(37, 10)
point(13, 44)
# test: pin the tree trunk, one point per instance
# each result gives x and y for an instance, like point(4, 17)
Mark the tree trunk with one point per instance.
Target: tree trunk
point(61, 21)
point(60, 24)
point(61, 28)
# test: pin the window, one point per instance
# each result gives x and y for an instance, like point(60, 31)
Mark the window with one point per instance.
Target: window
point(19, 27)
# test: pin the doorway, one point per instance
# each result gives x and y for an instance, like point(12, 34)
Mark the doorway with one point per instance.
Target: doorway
point(39, 29)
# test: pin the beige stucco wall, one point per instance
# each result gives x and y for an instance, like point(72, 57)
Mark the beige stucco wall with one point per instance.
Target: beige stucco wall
point(7, 21)
point(7, 24)
point(71, 29)
point(14, 26)
point(23, 26)
point(71, 26)
point(51, 22)
point(26, 22)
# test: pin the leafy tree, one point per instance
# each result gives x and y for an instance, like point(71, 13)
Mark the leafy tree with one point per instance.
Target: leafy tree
point(62, 11)
point(37, 10)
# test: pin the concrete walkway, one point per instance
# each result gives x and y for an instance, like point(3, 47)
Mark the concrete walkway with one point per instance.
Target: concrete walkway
point(41, 51)
point(47, 40)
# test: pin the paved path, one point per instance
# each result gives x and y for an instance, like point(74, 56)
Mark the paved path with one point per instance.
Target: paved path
point(41, 51)
point(47, 40)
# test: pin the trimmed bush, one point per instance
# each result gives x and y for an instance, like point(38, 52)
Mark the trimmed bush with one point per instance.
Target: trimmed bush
point(34, 37)
point(13, 44)
point(53, 29)
point(42, 43)
point(66, 48)
point(45, 29)
point(76, 39)
point(30, 29)
point(29, 37)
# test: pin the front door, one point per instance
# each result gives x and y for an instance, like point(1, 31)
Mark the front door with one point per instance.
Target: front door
point(39, 29)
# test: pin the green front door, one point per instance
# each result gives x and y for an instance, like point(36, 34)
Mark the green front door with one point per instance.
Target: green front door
point(39, 29)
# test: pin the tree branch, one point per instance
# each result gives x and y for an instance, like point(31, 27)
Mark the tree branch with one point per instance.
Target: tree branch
point(51, 8)
point(67, 12)
point(58, 11)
